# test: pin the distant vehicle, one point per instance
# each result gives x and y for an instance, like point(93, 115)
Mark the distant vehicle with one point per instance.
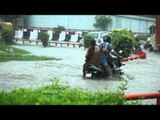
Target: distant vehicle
point(148, 45)
point(99, 35)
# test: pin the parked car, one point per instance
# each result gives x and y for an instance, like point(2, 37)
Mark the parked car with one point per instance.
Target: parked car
point(99, 35)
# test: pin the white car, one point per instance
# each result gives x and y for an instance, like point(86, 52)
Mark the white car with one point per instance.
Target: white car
point(99, 35)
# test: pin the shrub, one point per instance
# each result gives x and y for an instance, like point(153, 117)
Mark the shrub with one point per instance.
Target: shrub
point(59, 27)
point(7, 35)
point(58, 94)
point(141, 37)
point(123, 39)
point(87, 39)
point(44, 36)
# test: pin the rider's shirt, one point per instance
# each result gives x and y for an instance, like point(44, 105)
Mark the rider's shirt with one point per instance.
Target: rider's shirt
point(107, 47)
point(93, 56)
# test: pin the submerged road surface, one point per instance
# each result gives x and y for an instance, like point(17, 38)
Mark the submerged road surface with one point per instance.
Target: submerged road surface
point(145, 73)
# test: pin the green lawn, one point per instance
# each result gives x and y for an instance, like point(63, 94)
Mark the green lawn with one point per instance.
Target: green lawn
point(9, 53)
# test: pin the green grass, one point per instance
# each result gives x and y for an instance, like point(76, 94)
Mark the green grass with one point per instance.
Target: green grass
point(9, 53)
point(15, 50)
point(57, 94)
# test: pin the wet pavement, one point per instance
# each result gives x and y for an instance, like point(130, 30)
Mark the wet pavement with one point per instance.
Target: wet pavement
point(145, 73)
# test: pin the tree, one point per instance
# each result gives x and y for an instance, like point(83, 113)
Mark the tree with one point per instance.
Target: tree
point(60, 27)
point(87, 39)
point(12, 18)
point(102, 21)
point(152, 29)
point(7, 35)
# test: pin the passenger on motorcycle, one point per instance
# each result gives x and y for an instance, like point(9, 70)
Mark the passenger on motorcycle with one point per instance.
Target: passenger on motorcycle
point(92, 56)
point(105, 60)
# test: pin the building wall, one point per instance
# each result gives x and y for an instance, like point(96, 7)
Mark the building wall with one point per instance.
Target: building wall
point(135, 23)
point(158, 30)
point(68, 21)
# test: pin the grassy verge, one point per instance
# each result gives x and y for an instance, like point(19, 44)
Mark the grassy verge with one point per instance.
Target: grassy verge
point(57, 94)
point(8, 53)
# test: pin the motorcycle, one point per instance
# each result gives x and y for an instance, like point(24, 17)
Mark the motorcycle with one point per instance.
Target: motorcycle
point(148, 45)
point(98, 71)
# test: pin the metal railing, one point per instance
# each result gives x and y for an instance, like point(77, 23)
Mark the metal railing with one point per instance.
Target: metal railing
point(141, 96)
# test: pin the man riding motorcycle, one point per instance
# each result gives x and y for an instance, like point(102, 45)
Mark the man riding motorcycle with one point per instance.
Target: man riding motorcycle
point(105, 61)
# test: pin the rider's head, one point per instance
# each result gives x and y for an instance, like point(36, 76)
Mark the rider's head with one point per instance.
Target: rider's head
point(107, 38)
point(93, 42)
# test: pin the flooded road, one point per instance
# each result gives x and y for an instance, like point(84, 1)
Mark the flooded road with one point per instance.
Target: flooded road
point(30, 74)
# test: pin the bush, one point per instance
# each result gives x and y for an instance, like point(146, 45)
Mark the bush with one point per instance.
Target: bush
point(87, 39)
point(141, 37)
point(59, 27)
point(7, 35)
point(123, 39)
point(58, 94)
point(44, 36)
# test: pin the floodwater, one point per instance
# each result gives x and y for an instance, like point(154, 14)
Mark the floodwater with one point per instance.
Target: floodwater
point(145, 73)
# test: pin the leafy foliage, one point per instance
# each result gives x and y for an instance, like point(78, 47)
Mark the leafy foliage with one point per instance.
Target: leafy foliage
point(141, 37)
point(102, 22)
point(7, 35)
point(57, 94)
point(44, 36)
point(12, 18)
point(60, 27)
point(123, 39)
point(87, 39)
point(152, 29)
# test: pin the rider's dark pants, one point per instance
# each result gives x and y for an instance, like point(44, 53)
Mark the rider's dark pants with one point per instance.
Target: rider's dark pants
point(107, 70)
